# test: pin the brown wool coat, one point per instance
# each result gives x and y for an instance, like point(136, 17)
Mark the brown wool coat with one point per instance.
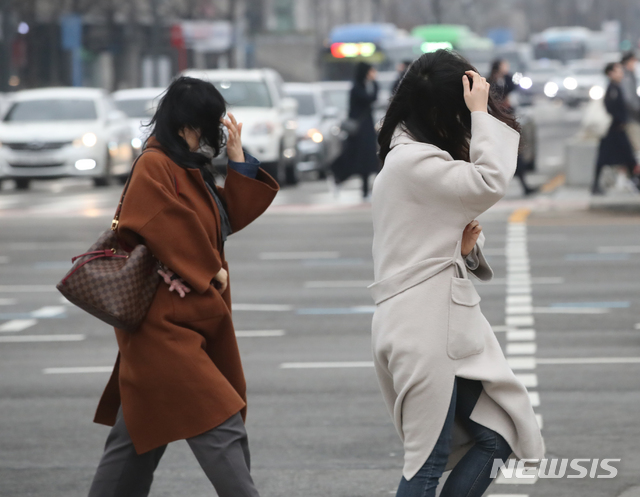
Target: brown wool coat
point(180, 373)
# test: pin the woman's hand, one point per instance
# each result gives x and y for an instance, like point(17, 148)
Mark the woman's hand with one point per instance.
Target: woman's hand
point(234, 143)
point(470, 237)
point(221, 280)
point(476, 98)
point(174, 281)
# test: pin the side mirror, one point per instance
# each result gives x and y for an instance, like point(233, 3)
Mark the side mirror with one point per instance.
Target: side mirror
point(289, 105)
point(330, 112)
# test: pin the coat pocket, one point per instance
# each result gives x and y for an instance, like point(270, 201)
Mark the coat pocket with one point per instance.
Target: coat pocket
point(464, 335)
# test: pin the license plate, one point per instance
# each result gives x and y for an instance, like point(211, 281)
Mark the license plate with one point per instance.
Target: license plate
point(31, 159)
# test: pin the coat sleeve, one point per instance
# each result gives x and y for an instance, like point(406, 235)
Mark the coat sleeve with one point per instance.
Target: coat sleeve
point(493, 152)
point(152, 213)
point(247, 198)
point(476, 262)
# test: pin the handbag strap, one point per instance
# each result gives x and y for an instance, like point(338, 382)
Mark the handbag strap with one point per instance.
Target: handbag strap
point(116, 216)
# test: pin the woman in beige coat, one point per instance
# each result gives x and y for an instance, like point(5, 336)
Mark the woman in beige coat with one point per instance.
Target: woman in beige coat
point(448, 387)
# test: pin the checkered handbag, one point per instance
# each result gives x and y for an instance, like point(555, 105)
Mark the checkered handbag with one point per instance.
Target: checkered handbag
point(110, 283)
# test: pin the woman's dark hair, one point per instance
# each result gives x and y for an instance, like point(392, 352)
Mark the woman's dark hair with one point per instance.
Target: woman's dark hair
point(610, 67)
point(189, 103)
point(360, 74)
point(429, 104)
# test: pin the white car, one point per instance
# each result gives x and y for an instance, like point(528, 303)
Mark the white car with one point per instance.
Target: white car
point(256, 98)
point(319, 141)
point(60, 132)
point(139, 104)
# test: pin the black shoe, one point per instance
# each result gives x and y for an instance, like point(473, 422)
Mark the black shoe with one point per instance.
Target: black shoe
point(530, 191)
point(597, 191)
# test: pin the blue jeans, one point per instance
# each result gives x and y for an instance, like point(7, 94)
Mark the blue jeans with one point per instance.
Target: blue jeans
point(471, 476)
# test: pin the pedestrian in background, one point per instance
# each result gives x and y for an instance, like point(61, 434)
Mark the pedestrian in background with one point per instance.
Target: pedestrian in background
point(502, 86)
point(615, 147)
point(448, 151)
point(359, 155)
point(501, 81)
point(629, 87)
point(179, 375)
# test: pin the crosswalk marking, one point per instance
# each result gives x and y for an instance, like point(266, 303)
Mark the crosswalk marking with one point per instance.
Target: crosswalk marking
point(79, 370)
point(49, 311)
point(288, 256)
point(326, 365)
point(41, 338)
point(16, 325)
point(259, 333)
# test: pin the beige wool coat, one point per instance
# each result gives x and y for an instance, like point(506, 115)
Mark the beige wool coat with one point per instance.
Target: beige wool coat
point(428, 327)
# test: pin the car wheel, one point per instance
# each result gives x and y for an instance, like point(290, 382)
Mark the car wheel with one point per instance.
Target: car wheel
point(105, 179)
point(123, 179)
point(22, 183)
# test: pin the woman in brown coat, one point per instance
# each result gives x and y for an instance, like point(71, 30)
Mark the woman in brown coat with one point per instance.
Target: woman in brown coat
point(179, 376)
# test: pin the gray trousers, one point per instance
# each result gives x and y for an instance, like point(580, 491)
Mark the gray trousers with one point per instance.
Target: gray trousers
point(223, 454)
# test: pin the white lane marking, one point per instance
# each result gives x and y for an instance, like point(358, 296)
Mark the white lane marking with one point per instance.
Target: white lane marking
point(529, 380)
point(290, 256)
point(534, 398)
point(526, 348)
point(571, 310)
point(49, 311)
point(260, 333)
point(539, 420)
point(8, 301)
point(521, 335)
point(27, 288)
point(518, 289)
point(338, 284)
point(519, 299)
point(518, 309)
point(4, 259)
point(633, 249)
point(521, 362)
point(519, 320)
point(41, 338)
point(589, 360)
point(78, 370)
point(16, 325)
point(261, 307)
point(326, 365)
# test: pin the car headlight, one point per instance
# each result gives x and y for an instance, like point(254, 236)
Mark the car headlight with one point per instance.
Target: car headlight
point(526, 83)
point(315, 135)
point(265, 128)
point(87, 140)
point(570, 83)
point(596, 92)
point(136, 143)
point(551, 89)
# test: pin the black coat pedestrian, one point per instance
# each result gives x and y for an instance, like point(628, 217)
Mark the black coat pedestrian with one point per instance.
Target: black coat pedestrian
point(615, 147)
point(360, 153)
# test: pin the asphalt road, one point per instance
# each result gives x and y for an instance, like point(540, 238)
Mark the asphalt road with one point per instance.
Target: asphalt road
point(299, 279)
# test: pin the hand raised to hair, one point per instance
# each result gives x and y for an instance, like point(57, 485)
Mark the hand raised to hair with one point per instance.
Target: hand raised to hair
point(234, 143)
point(476, 97)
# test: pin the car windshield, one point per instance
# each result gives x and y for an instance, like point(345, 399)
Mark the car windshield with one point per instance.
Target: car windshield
point(306, 104)
point(244, 93)
point(336, 98)
point(136, 108)
point(52, 110)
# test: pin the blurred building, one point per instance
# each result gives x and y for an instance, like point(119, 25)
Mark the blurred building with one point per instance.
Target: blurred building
point(128, 43)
